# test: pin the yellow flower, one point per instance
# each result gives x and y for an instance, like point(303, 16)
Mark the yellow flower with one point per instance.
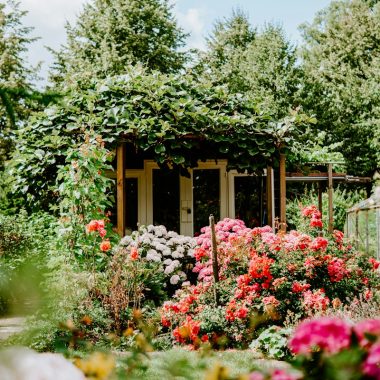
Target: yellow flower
point(97, 366)
point(218, 372)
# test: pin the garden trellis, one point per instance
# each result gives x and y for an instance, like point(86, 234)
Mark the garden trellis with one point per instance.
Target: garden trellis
point(363, 224)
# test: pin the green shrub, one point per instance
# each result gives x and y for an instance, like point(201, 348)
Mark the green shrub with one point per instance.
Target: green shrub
point(273, 342)
point(343, 199)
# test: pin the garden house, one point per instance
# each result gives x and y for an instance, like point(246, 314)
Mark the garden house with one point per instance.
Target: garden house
point(190, 150)
point(363, 224)
point(184, 149)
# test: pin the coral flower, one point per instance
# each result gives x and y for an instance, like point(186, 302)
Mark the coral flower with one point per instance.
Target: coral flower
point(92, 226)
point(105, 245)
point(102, 232)
point(316, 223)
point(134, 255)
point(319, 243)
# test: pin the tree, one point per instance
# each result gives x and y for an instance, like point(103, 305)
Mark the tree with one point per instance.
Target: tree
point(112, 34)
point(225, 46)
point(341, 62)
point(15, 78)
point(271, 74)
point(261, 64)
point(16, 75)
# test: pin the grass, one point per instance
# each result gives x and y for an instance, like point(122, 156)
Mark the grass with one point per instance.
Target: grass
point(182, 364)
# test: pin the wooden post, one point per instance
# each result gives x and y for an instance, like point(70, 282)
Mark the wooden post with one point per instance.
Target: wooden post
point(320, 197)
point(215, 266)
point(330, 193)
point(270, 190)
point(282, 192)
point(121, 193)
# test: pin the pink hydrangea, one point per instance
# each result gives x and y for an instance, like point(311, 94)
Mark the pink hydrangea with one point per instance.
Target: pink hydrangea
point(280, 374)
point(371, 366)
point(331, 335)
point(368, 326)
point(269, 238)
point(255, 375)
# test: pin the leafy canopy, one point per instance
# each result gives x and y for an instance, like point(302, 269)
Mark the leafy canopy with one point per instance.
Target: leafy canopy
point(174, 119)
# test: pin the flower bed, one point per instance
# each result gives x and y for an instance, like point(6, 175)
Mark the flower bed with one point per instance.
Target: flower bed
point(174, 252)
point(265, 275)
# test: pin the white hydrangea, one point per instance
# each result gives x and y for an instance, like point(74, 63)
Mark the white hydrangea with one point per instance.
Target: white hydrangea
point(168, 261)
point(156, 244)
point(174, 279)
point(177, 254)
point(180, 249)
point(169, 269)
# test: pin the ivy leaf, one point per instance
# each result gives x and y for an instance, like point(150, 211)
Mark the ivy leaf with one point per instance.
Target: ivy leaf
point(178, 159)
point(160, 148)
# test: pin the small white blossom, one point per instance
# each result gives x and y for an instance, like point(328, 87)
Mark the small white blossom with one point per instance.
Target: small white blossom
point(177, 255)
point(174, 279)
point(169, 269)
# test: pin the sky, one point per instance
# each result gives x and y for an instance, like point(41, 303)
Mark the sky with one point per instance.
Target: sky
point(196, 17)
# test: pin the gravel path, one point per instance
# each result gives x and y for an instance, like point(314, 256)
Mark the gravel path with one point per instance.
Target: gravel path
point(9, 326)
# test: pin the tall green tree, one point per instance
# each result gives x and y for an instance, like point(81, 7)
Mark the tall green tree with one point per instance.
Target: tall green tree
point(270, 71)
point(109, 35)
point(341, 62)
point(226, 44)
point(259, 63)
point(16, 75)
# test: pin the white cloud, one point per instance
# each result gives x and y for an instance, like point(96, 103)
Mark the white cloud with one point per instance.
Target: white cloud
point(193, 22)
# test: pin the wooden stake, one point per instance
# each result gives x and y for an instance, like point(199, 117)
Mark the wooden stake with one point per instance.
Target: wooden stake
point(320, 197)
point(330, 193)
point(282, 193)
point(121, 188)
point(270, 189)
point(215, 267)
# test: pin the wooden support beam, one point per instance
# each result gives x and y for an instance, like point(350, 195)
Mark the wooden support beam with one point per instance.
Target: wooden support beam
point(282, 192)
point(121, 189)
point(320, 192)
point(270, 196)
point(330, 193)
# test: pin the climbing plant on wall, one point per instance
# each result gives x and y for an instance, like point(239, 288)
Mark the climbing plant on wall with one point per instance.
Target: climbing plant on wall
point(173, 118)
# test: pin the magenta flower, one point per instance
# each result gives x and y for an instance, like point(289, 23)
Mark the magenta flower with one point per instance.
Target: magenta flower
point(371, 366)
point(328, 334)
point(280, 374)
point(368, 326)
